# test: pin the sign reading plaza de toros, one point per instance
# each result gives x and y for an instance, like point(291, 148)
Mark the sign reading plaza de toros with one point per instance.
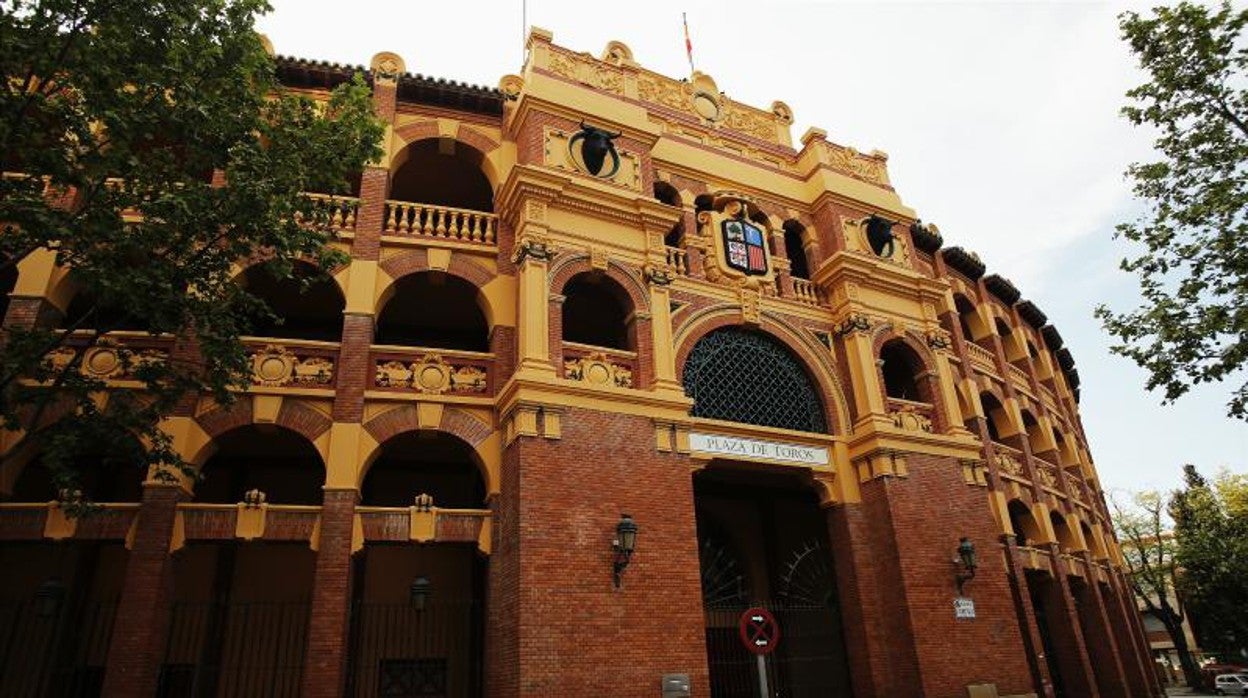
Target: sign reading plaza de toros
point(718, 445)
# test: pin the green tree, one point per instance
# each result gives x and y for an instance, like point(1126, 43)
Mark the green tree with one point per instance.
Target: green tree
point(1192, 241)
point(1149, 548)
point(1211, 533)
point(115, 106)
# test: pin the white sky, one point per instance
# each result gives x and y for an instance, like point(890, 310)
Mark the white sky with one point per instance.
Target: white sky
point(1000, 119)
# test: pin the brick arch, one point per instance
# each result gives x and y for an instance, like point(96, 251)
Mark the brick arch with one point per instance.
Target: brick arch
point(241, 267)
point(455, 422)
point(638, 296)
point(564, 269)
point(413, 133)
point(700, 324)
point(294, 416)
point(417, 261)
point(926, 373)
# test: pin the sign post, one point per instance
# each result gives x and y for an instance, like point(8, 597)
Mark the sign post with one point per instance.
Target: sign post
point(760, 634)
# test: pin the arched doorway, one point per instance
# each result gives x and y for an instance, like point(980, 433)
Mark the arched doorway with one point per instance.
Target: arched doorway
point(417, 622)
point(762, 541)
point(238, 625)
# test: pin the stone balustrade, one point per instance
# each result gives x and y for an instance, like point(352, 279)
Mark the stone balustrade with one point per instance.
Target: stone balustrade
point(442, 222)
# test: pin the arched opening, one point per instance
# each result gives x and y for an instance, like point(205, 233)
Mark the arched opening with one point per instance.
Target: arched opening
point(90, 311)
point(109, 469)
point(433, 309)
point(901, 368)
point(1014, 352)
point(703, 202)
point(597, 312)
point(1095, 544)
point(795, 249)
point(742, 376)
point(1065, 537)
point(1036, 438)
point(443, 172)
point(305, 305)
point(425, 462)
point(1026, 530)
point(437, 639)
point(762, 541)
point(968, 318)
point(282, 464)
point(667, 194)
point(994, 415)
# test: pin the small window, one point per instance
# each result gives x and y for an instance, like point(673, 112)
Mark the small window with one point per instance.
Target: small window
point(795, 250)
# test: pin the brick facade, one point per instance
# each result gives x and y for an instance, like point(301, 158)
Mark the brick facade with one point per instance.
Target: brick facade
point(562, 458)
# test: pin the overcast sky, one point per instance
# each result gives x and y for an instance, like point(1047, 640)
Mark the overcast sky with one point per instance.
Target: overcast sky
point(1000, 120)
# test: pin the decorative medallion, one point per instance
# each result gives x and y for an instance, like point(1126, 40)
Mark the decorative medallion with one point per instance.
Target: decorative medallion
point(598, 369)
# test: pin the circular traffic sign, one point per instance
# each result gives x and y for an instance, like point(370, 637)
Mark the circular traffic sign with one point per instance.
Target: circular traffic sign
point(759, 631)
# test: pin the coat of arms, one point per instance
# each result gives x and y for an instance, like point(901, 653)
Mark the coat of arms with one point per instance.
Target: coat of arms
point(744, 246)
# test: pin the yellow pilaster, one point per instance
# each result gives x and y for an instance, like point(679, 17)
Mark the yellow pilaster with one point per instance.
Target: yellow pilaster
point(534, 326)
point(868, 397)
point(949, 395)
point(661, 333)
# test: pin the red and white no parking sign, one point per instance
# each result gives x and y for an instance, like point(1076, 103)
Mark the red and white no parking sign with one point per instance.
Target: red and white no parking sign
point(759, 631)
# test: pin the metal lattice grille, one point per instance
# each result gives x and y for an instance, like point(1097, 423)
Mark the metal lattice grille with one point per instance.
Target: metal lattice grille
point(741, 376)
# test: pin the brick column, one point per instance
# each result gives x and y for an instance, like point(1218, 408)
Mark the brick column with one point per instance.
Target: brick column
point(1063, 619)
point(324, 661)
point(1098, 635)
point(138, 640)
point(1027, 620)
point(1139, 665)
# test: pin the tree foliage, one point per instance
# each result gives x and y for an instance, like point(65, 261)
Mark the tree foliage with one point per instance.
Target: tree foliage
point(112, 108)
point(1149, 549)
point(1211, 527)
point(1192, 264)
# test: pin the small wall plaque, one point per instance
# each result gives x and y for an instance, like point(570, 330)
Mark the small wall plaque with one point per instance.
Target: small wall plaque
point(963, 607)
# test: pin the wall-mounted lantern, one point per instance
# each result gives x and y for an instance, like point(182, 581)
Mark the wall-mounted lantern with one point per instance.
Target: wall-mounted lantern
point(49, 597)
point(965, 563)
point(624, 544)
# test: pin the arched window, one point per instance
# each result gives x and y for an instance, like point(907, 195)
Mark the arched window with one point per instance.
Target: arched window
point(703, 202)
point(596, 312)
point(900, 367)
point(432, 463)
point(742, 376)
point(279, 462)
point(433, 309)
point(994, 414)
point(306, 305)
point(667, 194)
point(1026, 532)
point(795, 249)
point(966, 316)
point(1035, 435)
point(1065, 536)
point(443, 172)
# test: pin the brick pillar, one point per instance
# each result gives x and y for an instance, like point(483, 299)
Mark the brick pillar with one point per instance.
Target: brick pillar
point(324, 660)
point(26, 312)
point(1098, 635)
point(502, 628)
point(878, 636)
point(138, 640)
point(1136, 661)
point(1063, 619)
point(1027, 621)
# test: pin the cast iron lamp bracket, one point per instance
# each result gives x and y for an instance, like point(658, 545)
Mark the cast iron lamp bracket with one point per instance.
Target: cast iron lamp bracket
point(623, 545)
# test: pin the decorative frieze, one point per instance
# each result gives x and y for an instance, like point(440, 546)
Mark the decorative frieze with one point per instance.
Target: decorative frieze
point(277, 366)
point(434, 374)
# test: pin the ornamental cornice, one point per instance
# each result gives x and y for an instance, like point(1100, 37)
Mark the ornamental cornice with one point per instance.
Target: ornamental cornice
point(844, 268)
point(530, 183)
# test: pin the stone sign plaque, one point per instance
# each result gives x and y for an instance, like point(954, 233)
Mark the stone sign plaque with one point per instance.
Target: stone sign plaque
point(732, 446)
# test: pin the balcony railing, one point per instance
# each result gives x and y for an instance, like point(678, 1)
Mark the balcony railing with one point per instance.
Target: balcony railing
point(981, 357)
point(34, 521)
point(432, 371)
point(423, 524)
point(442, 222)
point(342, 210)
point(1019, 376)
point(1036, 559)
point(677, 260)
point(599, 365)
point(805, 291)
point(270, 522)
point(291, 363)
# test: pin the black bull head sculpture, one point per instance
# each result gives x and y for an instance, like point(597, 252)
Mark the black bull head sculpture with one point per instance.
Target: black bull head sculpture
point(596, 145)
point(880, 235)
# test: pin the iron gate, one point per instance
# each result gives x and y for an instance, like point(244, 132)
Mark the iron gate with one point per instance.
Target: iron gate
point(53, 648)
point(809, 659)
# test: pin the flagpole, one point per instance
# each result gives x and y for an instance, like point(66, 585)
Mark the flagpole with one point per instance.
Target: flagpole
point(688, 44)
